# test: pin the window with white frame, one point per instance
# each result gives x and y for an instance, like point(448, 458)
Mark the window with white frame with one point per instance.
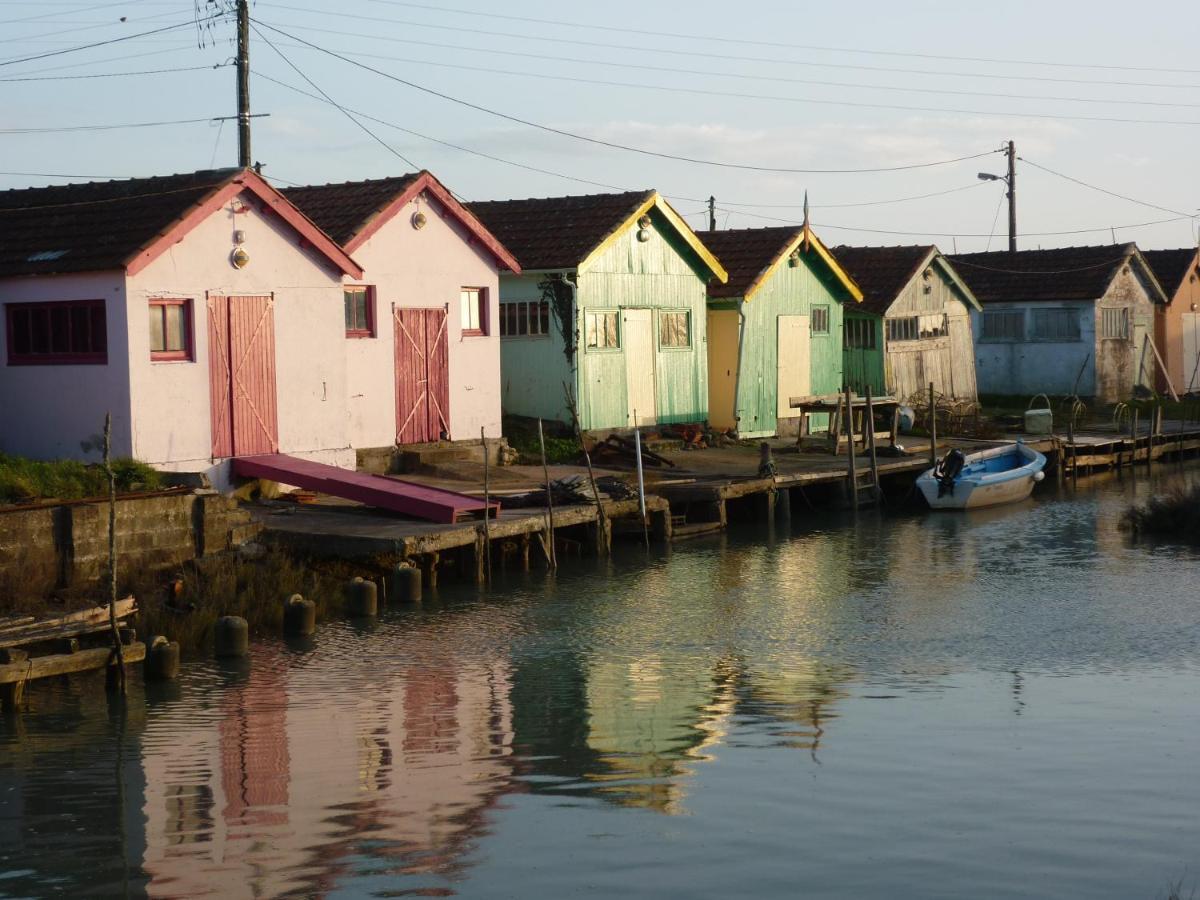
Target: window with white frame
point(1003, 325)
point(818, 320)
point(472, 304)
point(525, 319)
point(602, 330)
point(1114, 323)
point(1055, 325)
point(674, 329)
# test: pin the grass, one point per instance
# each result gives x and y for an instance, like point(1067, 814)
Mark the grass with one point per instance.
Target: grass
point(1173, 516)
point(27, 480)
point(561, 445)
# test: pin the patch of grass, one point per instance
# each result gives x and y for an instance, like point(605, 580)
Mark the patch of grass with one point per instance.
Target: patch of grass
point(1172, 516)
point(27, 480)
point(561, 445)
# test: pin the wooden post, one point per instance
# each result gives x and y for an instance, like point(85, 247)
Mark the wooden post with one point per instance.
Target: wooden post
point(870, 423)
point(1071, 442)
point(550, 554)
point(487, 508)
point(1133, 428)
point(117, 680)
point(637, 442)
point(932, 428)
point(853, 474)
point(601, 518)
point(892, 438)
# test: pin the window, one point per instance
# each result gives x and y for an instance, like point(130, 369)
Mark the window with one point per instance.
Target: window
point(905, 329)
point(472, 304)
point(170, 329)
point(1055, 325)
point(359, 301)
point(913, 328)
point(601, 330)
point(674, 329)
point(818, 321)
point(1114, 323)
point(525, 318)
point(858, 334)
point(1003, 325)
point(65, 332)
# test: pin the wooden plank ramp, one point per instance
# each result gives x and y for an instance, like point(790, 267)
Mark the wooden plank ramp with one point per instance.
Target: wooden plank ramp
point(32, 631)
point(392, 494)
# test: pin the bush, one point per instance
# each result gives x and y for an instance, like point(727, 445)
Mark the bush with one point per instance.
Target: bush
point(1175, 515)
point(561, 445)
point(26, 480)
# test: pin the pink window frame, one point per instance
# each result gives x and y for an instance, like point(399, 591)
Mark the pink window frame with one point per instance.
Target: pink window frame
point(369, 331)
point(187, 354)
point(482, 330)
point(53, 359)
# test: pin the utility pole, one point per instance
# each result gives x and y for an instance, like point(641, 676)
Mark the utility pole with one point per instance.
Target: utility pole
point(243, 83)
point(1012, 195)
point(712, 213)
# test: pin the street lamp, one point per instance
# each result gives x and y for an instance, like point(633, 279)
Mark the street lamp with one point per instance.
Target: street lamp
point(1011, 181)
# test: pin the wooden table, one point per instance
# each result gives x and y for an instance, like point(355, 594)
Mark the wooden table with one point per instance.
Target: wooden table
point(835, 406)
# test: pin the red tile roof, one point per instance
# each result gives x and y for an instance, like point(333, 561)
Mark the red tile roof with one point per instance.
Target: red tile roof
point(882, 272)
point(1067, 273)
point(557, 232)
point(1171, 267)
point(343, 210)
point(746, 253)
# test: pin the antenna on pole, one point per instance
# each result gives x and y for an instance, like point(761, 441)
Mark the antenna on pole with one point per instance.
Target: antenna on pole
point(243, 83)
point(712, 213)
point(807, 226)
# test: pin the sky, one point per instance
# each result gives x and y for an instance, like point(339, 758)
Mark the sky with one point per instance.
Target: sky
point(757, 95)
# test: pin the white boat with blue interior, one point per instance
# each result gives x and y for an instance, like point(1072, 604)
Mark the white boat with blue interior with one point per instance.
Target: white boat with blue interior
point(1004, 474)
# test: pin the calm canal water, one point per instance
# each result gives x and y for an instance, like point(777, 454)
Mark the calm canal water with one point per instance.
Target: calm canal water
point(1000, 704)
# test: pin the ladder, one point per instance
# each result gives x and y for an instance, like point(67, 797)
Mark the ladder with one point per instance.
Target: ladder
point(863, 481)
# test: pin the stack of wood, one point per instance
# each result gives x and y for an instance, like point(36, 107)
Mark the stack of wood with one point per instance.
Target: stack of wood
point(615, 451)
point(26, 631)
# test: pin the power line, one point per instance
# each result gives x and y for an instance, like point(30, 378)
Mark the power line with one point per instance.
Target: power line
point(959, 261)
point(61, 12)
point(116, 40)
point(726, 39)
point(1093, 187)
point(776, 98)
point(612, 144)
point(174, 48)
point(965, 187)
point(58, 175)
point(116, 74)
point(492, 35)
point(69, 128)
point(121, 199)
point(88, 26)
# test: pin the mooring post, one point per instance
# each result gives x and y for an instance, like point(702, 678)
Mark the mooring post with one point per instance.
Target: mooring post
point(932, 428)
point(1134, 430)
point(852, 474)
point(550, 554)
point(869, 421)
point(487, 509)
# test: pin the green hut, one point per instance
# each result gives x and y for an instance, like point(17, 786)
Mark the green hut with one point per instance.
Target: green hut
point(610, 304)
point(775, 327)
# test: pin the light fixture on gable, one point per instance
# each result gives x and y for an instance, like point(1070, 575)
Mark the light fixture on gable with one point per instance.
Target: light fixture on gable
point(643, 233)
point(419, 220)
point(239, 258)
point(794, 258)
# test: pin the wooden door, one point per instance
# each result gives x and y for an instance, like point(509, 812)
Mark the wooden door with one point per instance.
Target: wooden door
point(794, 363)
point(724, 360)
point(637, 338)
point(422, 375)
point(241, 332)
point(1190, 325)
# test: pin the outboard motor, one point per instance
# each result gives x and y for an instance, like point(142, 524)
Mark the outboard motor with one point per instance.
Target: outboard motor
point(948, 468)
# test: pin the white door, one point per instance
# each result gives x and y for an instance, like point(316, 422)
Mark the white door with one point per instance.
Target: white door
point(1190, 323)
point(637, 326)
point(795, 366)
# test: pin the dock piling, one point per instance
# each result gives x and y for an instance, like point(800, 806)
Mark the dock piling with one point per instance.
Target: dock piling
point(299, 616)
point(162, 659)
point(406, 584)
point(231, 637)
point(362, 599)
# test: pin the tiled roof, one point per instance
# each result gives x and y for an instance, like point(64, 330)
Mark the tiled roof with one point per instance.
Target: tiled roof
point(1068, 273)
point(94, 226)
point(746, 253)
point(1170, 267)
point(881, 272)
point(342, 210)
point(557, 232)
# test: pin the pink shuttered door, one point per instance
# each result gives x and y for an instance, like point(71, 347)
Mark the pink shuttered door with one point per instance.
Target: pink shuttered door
point(422, 375)
point(242, 375)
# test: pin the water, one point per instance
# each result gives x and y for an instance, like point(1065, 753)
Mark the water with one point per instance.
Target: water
point(999, 704)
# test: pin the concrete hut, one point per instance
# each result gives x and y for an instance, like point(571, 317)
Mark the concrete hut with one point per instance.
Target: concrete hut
point(610, 306)
point(923, 311)
point(1075, 320)
point(775, 328)
point(1177, 324)
point(202, 310)
point(422, 337)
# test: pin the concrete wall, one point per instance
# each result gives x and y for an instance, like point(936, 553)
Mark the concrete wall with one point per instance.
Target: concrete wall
point(1121, 364)
point(65, 547)
point(424, 268)
point(49, 409)
point(171, 402)
point(1034, 367)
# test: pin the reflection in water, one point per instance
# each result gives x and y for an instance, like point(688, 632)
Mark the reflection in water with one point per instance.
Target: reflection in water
point(909, 666)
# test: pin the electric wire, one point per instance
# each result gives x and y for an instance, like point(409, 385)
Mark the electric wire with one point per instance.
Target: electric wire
point(61, 12)
point(995, 220)
point(73, 203)
point(60, 129)
point(114, 74)
point(1093, 187)
point(116, 40)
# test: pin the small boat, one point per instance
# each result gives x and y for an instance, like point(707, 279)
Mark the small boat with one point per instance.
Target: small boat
point(1004, 474)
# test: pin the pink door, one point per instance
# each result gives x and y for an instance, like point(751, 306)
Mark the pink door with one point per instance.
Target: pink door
point(241, 334)
point(422, 376)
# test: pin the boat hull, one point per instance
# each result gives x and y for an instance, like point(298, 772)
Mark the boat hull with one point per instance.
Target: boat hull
point(982, 483)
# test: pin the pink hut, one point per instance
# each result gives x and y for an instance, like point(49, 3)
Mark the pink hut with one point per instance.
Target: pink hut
point(421, 324)
point(204, 311)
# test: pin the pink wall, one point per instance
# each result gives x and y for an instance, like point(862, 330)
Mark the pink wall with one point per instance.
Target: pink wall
point(1168, 330)
point(424, 268)
point(171, 421)
point(46, 411)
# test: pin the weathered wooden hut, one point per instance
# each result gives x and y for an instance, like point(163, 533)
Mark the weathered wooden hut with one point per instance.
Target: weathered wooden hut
point(774, 328)
point(611, 305)
point(1177, 324)
point(924, 308)
point(1074, 320)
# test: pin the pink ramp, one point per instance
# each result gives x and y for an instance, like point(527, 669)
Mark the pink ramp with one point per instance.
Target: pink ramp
point(392, 494)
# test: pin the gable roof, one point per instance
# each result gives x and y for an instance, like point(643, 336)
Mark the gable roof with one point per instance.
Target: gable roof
point(884, 272)
point(751, 255)
point(1066, 273)
point(1171, 267)
point(127, 224)
point(570, 232)
point(353, 211)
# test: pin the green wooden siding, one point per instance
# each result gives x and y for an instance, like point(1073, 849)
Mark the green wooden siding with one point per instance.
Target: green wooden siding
point(862, 367)
point(790, 291)
point(532, 369)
